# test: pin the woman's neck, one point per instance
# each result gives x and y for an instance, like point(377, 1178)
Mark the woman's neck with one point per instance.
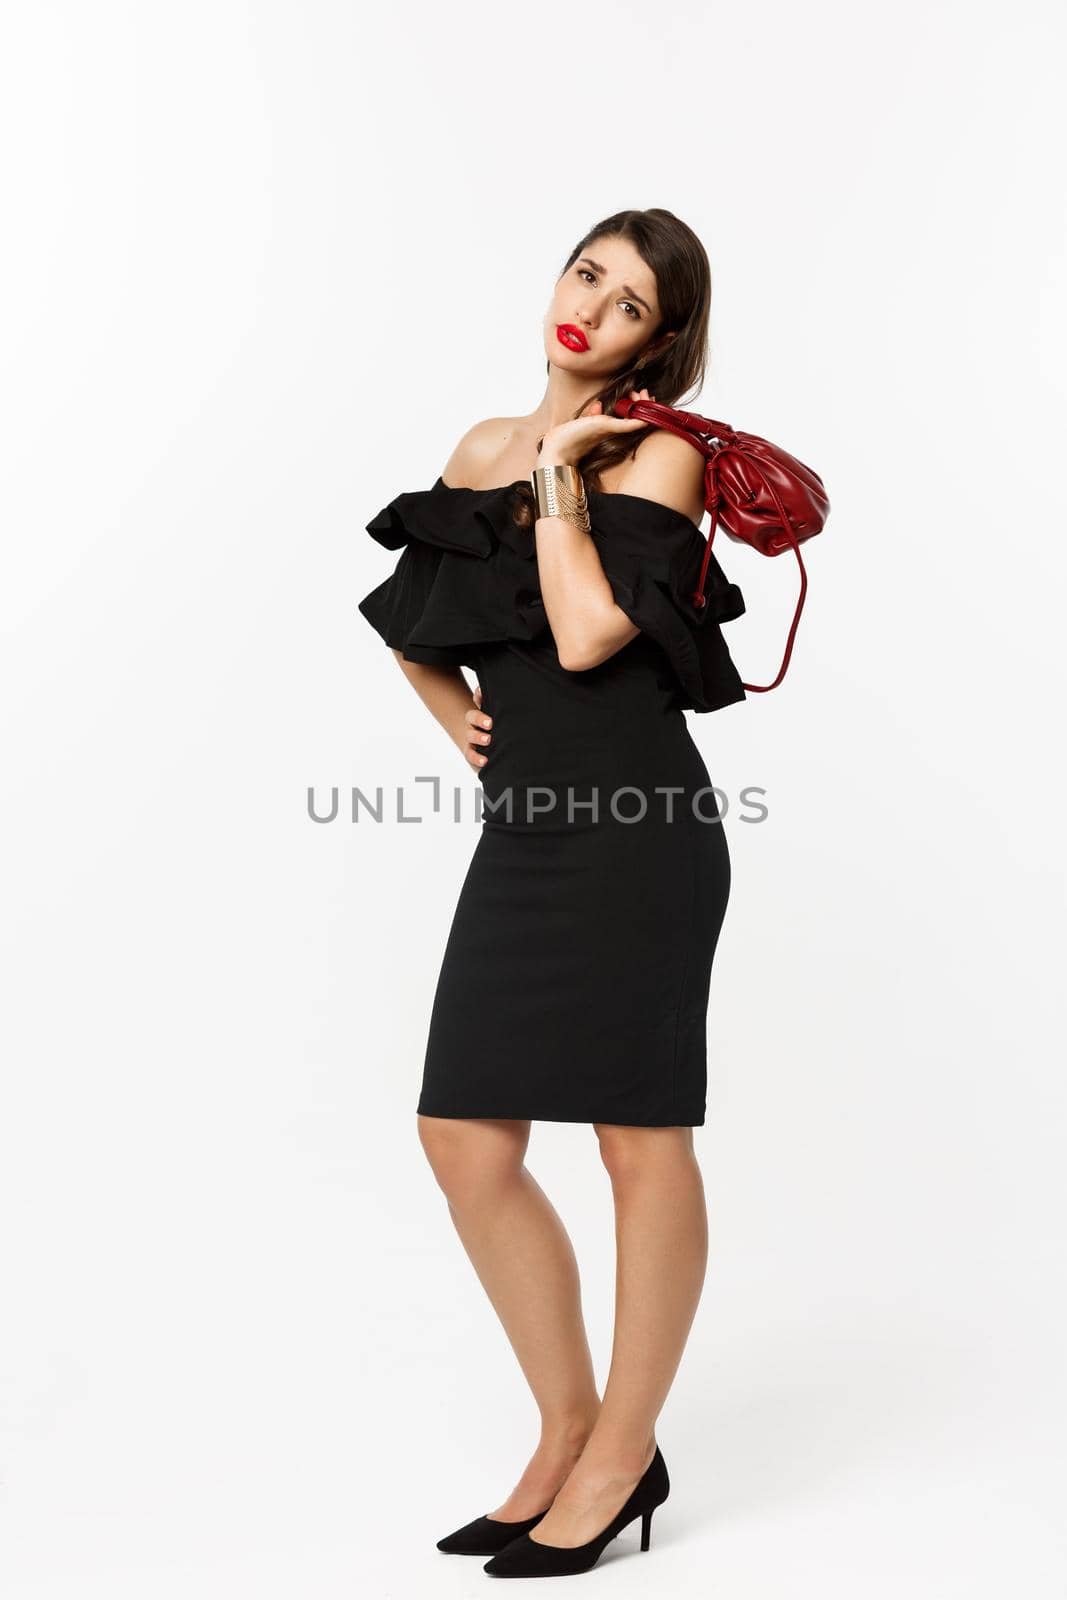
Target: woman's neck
point(565, 394)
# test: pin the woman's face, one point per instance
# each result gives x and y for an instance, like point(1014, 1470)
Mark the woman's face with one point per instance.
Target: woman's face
point(609, 296)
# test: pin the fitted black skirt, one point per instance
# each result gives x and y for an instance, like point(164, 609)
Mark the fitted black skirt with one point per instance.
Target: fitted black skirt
point(575, 980)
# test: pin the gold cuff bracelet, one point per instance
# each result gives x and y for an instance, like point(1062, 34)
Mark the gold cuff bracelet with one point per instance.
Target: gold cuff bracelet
point(560, 492)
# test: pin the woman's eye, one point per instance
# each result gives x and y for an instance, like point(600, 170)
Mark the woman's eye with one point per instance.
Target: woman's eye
point(584, 272)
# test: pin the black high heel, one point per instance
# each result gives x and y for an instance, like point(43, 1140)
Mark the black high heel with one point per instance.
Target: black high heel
point(526, 1558)
point(485, 1535)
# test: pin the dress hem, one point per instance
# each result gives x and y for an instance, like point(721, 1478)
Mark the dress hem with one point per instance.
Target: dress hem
point(541, 1116)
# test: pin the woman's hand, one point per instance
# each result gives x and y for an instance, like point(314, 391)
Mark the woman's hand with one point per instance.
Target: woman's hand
point(568, 442)
point(474, 734)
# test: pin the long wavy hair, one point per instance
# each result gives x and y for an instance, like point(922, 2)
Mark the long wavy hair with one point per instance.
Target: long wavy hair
point(675, 374)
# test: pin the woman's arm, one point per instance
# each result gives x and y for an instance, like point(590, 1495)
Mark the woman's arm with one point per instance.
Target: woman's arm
point(445, 693)
point(586, 624)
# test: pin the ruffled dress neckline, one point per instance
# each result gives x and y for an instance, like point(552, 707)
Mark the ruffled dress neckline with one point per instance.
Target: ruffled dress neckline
point(468, 577)
point(656, 506)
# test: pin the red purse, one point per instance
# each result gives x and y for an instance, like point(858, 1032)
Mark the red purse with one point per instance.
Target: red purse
point(763, 496)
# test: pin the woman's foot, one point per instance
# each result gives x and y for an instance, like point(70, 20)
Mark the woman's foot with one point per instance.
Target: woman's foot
point(547, 1469)
point(592, 1495)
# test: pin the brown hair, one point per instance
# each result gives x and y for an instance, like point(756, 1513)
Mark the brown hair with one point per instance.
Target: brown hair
point(674, 373)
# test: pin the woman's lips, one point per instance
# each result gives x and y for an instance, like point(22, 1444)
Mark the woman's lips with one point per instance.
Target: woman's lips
point(571, 336)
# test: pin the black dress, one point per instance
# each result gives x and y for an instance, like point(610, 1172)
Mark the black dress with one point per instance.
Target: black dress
point(575, 979)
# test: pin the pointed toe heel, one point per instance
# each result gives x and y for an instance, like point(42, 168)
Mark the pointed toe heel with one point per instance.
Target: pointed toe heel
point(528, 1558)
point(485, 1536)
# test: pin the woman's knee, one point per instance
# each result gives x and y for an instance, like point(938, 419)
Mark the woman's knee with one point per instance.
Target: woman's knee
point(631, 1154)
point(469, 1155)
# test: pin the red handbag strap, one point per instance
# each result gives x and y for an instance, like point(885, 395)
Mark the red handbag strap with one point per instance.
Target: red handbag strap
point(711, 500)
point(698, 595)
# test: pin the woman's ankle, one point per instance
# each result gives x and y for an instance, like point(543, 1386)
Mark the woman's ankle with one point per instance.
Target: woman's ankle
point(618, 1455)
point(568, 1434)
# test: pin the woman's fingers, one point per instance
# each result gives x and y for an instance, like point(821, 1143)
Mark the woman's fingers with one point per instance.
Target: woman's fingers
point(479, 722)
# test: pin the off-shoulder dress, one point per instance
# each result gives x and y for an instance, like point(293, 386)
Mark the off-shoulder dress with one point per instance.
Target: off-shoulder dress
point(575, 979)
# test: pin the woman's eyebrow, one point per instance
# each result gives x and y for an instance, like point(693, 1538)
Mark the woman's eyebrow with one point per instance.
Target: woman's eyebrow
point(625, 288)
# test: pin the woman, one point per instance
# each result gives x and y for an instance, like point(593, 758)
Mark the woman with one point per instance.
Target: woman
point(557, 557)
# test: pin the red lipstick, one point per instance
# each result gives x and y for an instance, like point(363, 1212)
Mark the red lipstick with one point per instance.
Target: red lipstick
point(572, 337)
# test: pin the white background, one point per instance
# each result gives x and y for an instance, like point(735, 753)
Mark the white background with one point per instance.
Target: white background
point(263, 264)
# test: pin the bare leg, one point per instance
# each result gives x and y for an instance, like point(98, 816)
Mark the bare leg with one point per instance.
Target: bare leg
point(661, 1231)
point(524, 1258)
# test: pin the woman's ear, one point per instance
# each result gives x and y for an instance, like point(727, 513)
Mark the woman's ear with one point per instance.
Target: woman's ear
point(659, 345)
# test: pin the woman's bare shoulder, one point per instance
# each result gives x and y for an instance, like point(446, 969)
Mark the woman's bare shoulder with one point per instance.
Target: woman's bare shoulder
point(473, 460)
point(666, 468)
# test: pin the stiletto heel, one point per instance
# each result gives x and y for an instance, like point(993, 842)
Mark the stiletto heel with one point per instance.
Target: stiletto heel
point(529, 1558)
